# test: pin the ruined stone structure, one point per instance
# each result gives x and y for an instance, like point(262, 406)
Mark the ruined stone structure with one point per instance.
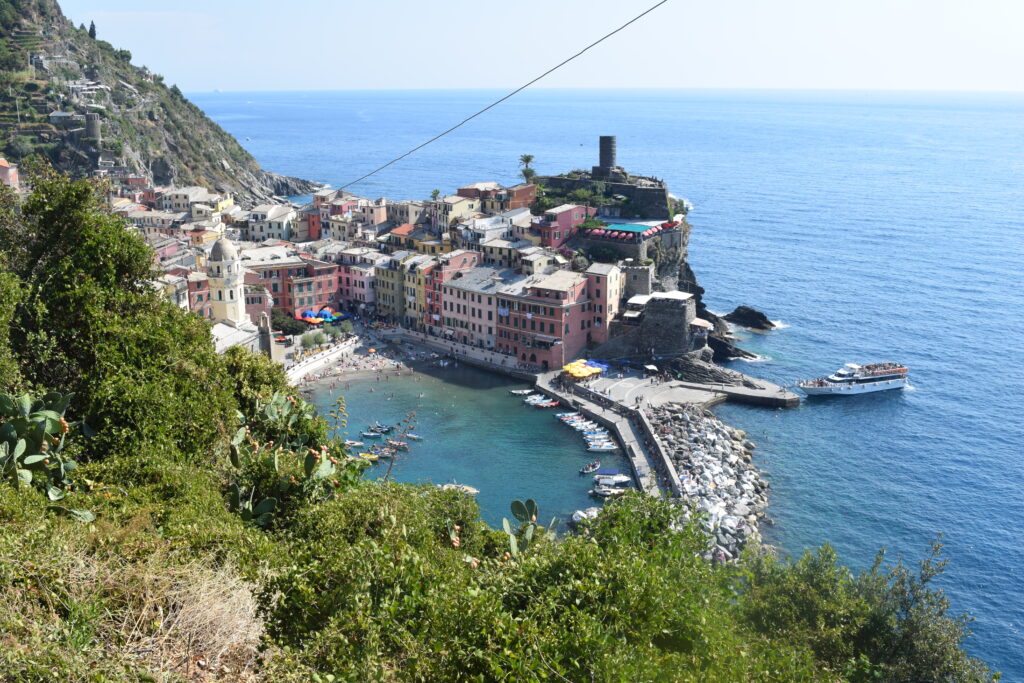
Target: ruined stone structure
point(663, 331)
point(639, 278)
point(648, 196)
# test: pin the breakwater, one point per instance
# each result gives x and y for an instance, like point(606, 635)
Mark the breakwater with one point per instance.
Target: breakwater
point(716, 475)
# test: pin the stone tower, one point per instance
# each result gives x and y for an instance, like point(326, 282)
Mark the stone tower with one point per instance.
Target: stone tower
point(607, 151)
point(92, 126)
point(227, 286)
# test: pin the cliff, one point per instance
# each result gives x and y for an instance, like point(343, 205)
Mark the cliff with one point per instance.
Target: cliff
point(138, 123)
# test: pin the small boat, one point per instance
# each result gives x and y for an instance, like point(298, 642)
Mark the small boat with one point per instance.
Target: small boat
point(606, 491)
point(372, 457)
point(591, 467)
point(613, 480)
point(566, 416)
point(857, 379)
point(353, 444)
point(381, 429)
point(414, 437)
point(603, 448)
point(520, 392)
point(459, 487)
point(404, 445)
point(545, 404)
point(371, 435)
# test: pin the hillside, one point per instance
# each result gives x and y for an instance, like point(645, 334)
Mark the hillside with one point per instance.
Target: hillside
point(139, 124)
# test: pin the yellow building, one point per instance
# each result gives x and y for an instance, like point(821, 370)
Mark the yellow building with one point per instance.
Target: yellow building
point(389, 286)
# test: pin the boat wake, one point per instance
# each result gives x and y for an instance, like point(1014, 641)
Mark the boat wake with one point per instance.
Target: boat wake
point(779, 325)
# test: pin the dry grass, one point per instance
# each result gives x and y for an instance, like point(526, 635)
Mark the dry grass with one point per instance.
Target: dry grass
point(189, 621)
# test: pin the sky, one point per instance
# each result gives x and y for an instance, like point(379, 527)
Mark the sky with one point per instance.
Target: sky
point(253, 45)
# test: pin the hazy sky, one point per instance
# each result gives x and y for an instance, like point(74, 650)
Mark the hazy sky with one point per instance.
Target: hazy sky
point(339, 44)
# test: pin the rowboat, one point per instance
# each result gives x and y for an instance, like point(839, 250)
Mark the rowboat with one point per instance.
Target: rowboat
point(371, 435)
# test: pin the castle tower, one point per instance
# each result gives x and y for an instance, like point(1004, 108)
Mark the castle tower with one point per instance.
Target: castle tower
point(607, 151)
point(227, 285)
point(92, 126)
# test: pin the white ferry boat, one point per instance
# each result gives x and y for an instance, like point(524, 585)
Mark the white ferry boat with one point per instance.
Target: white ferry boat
point(857, 379)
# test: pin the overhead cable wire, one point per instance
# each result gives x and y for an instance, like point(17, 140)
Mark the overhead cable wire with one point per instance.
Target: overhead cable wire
point(497, 102)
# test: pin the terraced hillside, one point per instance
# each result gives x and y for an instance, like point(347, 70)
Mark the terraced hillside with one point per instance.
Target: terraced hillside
point(48, 65)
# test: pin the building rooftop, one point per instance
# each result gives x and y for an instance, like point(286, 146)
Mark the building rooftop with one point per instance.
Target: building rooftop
point(563, 208)
point(403, 230)
point(560, 280)
point(602, 268)
point(485, 280)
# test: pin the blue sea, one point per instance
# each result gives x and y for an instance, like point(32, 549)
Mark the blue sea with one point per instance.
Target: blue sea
point(873, 226)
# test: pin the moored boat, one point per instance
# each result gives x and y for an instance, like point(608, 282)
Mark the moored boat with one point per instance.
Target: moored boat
point(591, 467)
point(353, 444)
point(606, 491)
point(857, 379)
point(414, 437)
point(371, 435)
point(520, 392)
point(398, 444)
point(613, 480)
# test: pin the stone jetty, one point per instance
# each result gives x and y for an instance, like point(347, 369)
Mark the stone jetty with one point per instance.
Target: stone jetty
point(714, 464)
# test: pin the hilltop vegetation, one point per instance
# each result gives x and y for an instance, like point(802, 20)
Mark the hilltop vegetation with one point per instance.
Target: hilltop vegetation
point(184, 516)
point(147, 126)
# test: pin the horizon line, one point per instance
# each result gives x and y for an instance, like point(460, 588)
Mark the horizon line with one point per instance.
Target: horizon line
point(907, 91)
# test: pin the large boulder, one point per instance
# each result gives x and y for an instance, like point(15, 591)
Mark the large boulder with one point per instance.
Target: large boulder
point(745, 316)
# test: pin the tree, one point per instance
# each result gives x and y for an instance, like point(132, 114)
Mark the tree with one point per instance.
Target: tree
point(286, 324)
point(434, 194)
point(525, 160)
point(144, 373)
point(528, 174)
point(92, 30)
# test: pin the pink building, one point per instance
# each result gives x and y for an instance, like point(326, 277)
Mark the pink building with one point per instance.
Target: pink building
point(258, 299)
point(356, 277)
point(560, 223)
point(199, 295)
point(458, 261)
point(469, 306)
point(545, 320)
point(604, 289)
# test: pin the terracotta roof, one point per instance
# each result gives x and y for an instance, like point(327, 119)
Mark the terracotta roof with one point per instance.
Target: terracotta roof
point(4, 163)
point(403, 230)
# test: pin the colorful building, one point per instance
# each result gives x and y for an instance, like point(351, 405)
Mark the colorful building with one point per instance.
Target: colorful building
point(545, 320)
point(560, 223)
point(448, 266)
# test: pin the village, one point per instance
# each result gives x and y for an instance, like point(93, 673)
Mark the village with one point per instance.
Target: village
point(479, 277)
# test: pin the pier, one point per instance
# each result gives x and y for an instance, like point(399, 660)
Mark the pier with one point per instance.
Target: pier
point(618, 402)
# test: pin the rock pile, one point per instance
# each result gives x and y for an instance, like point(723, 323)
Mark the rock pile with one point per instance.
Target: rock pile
point(714, 463)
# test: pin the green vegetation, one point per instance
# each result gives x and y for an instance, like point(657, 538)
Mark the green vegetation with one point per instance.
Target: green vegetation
point(213, 528)
point(286, 324)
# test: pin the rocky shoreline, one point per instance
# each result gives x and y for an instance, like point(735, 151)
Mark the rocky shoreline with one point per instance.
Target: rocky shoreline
point(715, 466)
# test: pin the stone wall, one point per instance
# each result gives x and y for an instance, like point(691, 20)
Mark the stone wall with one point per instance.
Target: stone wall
point(650, 202)
point(664, 331)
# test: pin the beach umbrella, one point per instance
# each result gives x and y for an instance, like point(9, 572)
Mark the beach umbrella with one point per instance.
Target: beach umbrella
point(373, 350)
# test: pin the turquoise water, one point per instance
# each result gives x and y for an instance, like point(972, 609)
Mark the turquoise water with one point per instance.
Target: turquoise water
point(474, 432)
point(876, 226)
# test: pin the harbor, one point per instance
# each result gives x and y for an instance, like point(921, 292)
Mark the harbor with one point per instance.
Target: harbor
point(633, 429)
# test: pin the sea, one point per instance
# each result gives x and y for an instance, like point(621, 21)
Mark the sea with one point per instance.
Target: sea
point(872, 226)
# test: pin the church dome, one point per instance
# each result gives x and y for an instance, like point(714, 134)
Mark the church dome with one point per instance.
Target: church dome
point(223, 250)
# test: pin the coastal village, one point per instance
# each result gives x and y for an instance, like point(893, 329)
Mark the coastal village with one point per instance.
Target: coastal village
point(511, 279)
